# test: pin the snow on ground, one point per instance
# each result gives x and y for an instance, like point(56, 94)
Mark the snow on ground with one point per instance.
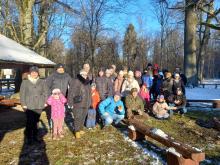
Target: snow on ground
point(203, 93)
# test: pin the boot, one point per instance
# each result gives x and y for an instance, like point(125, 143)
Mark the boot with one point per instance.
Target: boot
point(77, 134)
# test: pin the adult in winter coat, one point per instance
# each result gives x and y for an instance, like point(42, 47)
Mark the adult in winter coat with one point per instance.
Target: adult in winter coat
point(110, 82)
point(167, 87)
point(134, 104)
point(128, 84)
point(137, 76)
point(119, 81)
point(178, 83)
point(112, 110)
point(59, 80)
point(102, 85)
point(79, 98)
point(33, 96)
point(183, 76)
point(147, 79)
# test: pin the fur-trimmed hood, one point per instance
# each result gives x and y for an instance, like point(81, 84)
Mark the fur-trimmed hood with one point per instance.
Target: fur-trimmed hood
point(83, 80)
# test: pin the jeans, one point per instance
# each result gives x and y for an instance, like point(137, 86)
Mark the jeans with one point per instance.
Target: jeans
point(109, 119)
point(79, 118)
point(182, 110)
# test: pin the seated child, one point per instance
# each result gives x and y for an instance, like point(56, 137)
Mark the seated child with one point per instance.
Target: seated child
point(180, 101)
point(161, 108)
point(91, 117)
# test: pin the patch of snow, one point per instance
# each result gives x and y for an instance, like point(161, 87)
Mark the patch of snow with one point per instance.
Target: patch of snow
point(202, 94)
point(173, 151)
point(159, 132)
point(157, 159)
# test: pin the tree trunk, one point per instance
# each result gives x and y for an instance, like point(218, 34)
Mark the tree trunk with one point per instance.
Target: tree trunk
point(190, 43)
point(26, 21)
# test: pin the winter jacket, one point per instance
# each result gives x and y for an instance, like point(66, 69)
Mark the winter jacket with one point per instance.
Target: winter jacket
point(182, 101)
point(133, 104)
point(57, 107)
point(118, 84)
point(139, 80)
point(159, 109)
point(167, 85)
point(145, 95)
point(95, 99)
point(103, 87)
point(178, 84)
point(111, 107)
point(127, 86)
point(33, 95)
point(148, 80)
point(80, 87)
point(60, 81)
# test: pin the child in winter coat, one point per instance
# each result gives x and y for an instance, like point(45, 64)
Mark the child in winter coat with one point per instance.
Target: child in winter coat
point(161, 108)
point(180, 101)
point(57, 101)
point(145, 94)
point(91, 117)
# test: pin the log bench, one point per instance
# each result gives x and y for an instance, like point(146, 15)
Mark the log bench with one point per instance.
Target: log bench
point(10, 102)
point(184, 155)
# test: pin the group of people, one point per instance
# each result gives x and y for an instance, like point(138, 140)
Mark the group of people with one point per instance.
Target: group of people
point(108, 98)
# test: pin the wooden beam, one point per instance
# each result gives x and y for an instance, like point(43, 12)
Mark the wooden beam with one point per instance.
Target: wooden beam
point(186, 150)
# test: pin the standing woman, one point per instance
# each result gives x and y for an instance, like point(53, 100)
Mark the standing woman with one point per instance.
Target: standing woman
point(79, 98)
point(33, 96)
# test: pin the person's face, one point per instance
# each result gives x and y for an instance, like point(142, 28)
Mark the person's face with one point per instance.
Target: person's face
point(101, 73)
point(177, 77)
point(137, 74)
point(86, 67)
point(114, 67)
point(121, 75)
point(130, 79)
point(56, 95)
point(117, 98)
point(60, 70)
point(179, 92)
point(161, 100)
point(134, 94)
point(93, 88)
point(111, 71)
point(177, 70)
point(107, 74)
point(34, 75)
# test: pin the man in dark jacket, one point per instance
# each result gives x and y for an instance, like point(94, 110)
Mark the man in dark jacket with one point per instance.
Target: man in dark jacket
point(59, 79)
point(167, 87)
point(33, 96)
point(79, 99)
point(102, 85)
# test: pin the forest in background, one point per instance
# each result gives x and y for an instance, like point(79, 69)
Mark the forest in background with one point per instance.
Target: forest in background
point(41, 24)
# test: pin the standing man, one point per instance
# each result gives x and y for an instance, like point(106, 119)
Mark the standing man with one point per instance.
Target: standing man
point(86, 68)
point(59, 80)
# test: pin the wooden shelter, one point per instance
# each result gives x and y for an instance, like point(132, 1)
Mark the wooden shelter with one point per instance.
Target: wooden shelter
point(15, 56)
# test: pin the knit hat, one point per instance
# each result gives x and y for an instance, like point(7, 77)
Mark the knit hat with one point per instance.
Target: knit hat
point(134, 90)
point(130, 73)
point(160, 97)
point(93, 85)
point(59, 66)
point(34, 69)
point(117, 94)
point(56, 90)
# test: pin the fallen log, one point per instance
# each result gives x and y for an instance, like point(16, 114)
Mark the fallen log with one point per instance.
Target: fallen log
point(186, 151)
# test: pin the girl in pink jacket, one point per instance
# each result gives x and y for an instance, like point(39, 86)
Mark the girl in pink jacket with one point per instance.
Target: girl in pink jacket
point(57, 101)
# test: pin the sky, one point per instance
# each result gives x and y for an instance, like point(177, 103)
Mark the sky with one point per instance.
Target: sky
point(141, 14)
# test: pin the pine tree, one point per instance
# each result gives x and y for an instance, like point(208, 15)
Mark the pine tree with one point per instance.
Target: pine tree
point(129, 46)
